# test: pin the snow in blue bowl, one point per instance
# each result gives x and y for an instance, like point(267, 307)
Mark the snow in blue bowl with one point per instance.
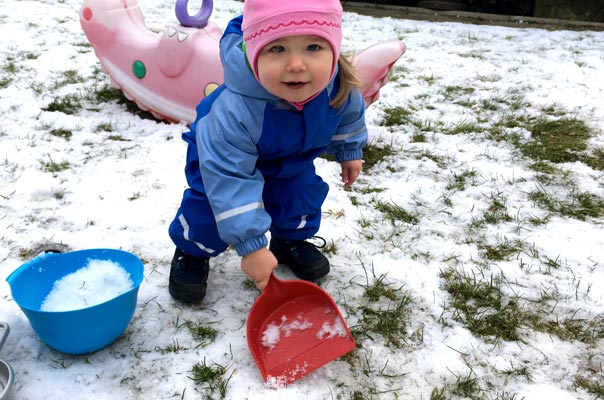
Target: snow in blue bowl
point(81, 301)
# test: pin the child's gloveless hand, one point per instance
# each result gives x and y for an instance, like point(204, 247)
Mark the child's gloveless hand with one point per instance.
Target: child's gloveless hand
point(259, 265)
point(351, 170)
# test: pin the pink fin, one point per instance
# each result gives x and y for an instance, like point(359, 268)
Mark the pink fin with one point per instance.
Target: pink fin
point(373, 65)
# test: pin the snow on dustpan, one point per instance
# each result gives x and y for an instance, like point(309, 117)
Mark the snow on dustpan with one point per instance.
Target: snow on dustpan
point(293, 328)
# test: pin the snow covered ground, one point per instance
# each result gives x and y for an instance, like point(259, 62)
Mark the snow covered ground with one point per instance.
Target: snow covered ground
point(102, 176)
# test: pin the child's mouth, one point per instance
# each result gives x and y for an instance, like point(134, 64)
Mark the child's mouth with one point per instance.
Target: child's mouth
point(295, 85)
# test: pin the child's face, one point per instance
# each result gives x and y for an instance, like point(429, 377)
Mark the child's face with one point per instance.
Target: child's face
point(295, 68)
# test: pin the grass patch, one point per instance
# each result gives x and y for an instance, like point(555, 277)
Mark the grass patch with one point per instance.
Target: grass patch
point(364, 190)
point(201, 333)
point(395, 213)
point(462, 127)
point(69, 105)
point(442, 161)
point(579, 205)
point(499, 132)
point(134, 109)
point(522, 371)
point(388, 322)
point(117, 138)
point(453, 92)
point(10, 67)
point(459, 181)
point(425, 125)
point(557, 141)
point(552, 140)
point(108, 93)
point(385, 311)
point(395, 116)
point(595, 160)
point(214, 376)
point(504, 250)
point(54, 167)
point(173, 347)
point(5, 82)
point(69, 77)
point(592, 384)
point(589, 331)
point(62, 133)
point(418, 137)
point(466, 386)
point(545, 168)
point(373, 154)
point(104, 127)
point(497, 210)
point(379, 288)
point(481, 306)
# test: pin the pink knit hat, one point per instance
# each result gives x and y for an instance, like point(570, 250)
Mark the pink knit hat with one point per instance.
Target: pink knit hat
point(268, 20)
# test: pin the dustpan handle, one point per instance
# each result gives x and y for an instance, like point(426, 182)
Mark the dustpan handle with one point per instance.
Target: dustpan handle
point(274, 287)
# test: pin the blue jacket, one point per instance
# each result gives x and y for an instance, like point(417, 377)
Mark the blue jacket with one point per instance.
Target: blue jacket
point(243, 135)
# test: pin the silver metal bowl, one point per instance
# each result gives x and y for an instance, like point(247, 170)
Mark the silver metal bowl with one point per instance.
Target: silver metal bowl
point(7, 375)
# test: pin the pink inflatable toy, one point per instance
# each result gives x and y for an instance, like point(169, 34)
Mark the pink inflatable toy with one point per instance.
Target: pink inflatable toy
point(372, 66)
point(168, 74)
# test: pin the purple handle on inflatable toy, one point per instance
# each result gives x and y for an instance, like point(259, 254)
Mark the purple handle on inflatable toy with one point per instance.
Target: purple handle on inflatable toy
point(198, 20)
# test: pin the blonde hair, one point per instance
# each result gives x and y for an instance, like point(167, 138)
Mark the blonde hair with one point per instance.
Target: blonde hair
point(348, 81)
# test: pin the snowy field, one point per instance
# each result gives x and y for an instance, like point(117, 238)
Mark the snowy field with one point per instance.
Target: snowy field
point(454, 206)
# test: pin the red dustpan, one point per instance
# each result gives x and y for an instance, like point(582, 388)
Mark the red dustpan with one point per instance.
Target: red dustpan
point(294, 328)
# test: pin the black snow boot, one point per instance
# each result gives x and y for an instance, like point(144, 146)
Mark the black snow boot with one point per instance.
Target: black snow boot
point(188, 277)
point(302, 257)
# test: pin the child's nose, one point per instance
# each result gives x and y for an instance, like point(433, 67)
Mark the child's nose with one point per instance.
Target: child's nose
point(296, 63)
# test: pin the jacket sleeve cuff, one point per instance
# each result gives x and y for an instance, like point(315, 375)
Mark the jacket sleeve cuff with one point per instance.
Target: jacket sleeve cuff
point(348, 155)
point(251, 245)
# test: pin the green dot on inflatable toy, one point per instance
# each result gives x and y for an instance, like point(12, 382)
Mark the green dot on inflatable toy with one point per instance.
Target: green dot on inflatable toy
point(139, 70)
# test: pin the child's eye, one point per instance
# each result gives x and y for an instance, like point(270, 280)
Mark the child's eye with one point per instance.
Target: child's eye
point(313, 47)
point(276, 49)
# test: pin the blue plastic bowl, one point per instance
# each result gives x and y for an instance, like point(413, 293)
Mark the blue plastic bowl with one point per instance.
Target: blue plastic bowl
point(79, 331)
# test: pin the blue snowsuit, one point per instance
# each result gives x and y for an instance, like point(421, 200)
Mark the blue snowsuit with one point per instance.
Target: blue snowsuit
point(250, 160)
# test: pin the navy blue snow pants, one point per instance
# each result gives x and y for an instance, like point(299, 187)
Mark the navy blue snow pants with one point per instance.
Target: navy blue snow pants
point(293, 203)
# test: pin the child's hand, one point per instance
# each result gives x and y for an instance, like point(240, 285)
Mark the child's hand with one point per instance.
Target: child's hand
point(259, 265)
point(351, 170)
